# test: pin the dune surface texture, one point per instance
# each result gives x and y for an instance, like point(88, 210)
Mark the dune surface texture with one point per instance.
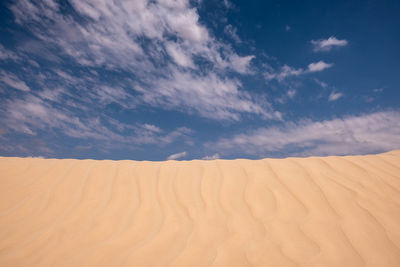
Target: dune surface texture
point(331, 211)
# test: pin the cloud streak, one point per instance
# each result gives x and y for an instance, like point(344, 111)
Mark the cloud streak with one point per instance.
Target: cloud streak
point(333, 96)
point(13, 81)
point(370, 133)
point(177, 156)
point(212, 157)
point(328, 44)
point(287, 71)
point(33, 115)
point(160, 44)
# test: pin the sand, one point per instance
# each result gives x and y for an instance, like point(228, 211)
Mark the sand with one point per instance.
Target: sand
point(331, 211)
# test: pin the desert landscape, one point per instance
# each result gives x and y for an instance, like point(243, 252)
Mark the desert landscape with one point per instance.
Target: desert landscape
point(155, 133)
point(317, 211)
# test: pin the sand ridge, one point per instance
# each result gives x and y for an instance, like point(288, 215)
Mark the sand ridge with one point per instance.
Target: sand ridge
point(331, 211)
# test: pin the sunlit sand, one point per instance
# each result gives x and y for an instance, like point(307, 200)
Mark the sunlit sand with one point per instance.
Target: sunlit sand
point(331, 211)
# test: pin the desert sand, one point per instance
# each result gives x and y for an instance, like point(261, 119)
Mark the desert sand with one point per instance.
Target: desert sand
point(317, 211)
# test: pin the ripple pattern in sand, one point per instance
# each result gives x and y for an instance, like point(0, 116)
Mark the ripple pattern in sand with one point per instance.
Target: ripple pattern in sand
point(333, 211)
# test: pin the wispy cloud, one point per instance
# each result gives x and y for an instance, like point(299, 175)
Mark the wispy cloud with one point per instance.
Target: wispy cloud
point(162, 45)
point(328, 44)
point(152, 128)
point(333, 96)
point(6, 54)
point(212, 157)
point(370, 133)
point(284, 72)
point(32, 115)
point(291, 93)
point(321, 83)
point(231, 31)
point(206, 95)
point(13, 81)
point(177, 156)
point(287, 71)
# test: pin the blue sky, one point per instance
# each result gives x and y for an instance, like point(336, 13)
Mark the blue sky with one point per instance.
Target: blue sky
point(163, 79)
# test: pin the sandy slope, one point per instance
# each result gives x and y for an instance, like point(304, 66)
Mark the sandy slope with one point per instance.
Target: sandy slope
point(335, 211)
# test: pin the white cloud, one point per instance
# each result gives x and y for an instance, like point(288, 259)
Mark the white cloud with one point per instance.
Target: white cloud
point(152, 128)
point(287, 28)
point(240, 64)
point(6, 54)
point(176, 134)
point(334, 96)
point(215, 156)
point(318, 66)
point(13, 81)
point(178, 55)
point(328, 44)
point(321, 83)
point(291, 93)
point(32, 114)
point(370, 133)
point(156, 42)
point(177, 156)
point(208, 96)
point(287, 71)
point(65, 76)
point(106, 94)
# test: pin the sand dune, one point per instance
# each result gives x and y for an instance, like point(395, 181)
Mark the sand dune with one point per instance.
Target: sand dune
point(333, 211)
